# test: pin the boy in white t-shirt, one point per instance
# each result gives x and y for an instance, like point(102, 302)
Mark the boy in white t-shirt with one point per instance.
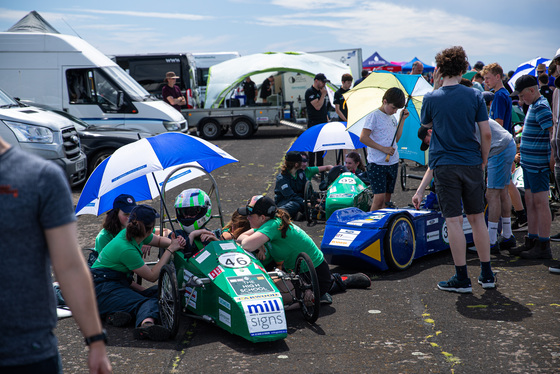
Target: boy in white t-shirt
point(383, 157)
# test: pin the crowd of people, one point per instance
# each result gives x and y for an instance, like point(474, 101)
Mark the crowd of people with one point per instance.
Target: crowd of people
point(466, 127)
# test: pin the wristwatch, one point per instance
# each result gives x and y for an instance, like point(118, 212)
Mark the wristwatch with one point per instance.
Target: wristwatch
point(96, 338)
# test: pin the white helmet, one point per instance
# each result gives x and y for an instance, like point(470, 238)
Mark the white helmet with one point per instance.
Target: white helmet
point(193, 209)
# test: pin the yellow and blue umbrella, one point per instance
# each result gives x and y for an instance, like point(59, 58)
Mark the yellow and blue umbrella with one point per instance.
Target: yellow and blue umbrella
point(367, 96)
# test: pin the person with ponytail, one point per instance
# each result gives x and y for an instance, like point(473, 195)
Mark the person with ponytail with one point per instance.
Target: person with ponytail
point(117, 296)
point(287, 241)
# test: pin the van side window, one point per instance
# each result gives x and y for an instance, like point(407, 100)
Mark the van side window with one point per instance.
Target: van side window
point(91, 86)
point(79, 86)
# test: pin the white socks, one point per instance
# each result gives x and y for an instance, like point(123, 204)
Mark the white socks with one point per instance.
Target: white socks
point(493, 232)
point(506, 227)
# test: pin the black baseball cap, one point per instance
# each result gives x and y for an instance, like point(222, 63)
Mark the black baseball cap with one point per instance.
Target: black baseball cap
point(261, 205)
point(524, 82)
point(422, 133)
point(124, 202)
point(293, 156)
point(321, 77)
point(144, 213)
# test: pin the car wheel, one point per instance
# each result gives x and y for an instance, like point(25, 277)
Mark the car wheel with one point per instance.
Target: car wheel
point(98, 158)
point(400, 243)
point(168, 299)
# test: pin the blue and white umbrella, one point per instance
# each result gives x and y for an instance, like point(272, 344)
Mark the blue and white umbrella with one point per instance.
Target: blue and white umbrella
point(529, 67)
point(327, 136)
point(139, 169)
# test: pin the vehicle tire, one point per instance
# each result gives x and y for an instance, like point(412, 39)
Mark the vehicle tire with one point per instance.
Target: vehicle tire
point(242, 128)
point(308, 209)
point(403, 176)
point(400, 243)
point(210, 129)
point(98, 158)
point(168, 299)
point(307, 280)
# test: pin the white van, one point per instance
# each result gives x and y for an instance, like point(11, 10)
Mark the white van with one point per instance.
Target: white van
point(67, 73)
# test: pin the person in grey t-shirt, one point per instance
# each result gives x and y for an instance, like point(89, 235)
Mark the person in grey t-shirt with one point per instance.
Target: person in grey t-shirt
point(39, 227)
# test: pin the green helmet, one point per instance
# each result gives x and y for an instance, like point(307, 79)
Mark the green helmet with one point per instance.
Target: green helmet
point(193, 209)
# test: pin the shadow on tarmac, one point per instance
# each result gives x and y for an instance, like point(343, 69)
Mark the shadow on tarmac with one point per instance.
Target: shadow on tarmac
point(492, 305)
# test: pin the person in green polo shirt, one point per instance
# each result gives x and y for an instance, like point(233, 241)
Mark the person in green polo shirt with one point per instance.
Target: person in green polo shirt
point(113, 269)
point(287, 241)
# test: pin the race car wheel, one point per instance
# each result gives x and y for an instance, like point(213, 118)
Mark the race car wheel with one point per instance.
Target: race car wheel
point(400, 243)
point(403, 176)
point(168, 299)
point(307, 280)
point(308, 202)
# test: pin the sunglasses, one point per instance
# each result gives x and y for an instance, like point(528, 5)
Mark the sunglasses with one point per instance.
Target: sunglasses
point(304, 160)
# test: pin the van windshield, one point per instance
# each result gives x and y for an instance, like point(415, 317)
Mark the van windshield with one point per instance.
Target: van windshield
point(129, 85)
point(6, 100)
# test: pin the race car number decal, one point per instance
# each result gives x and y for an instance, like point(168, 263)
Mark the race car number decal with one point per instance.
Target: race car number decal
point(347, 180)
point(444, 234)
point(234, 260)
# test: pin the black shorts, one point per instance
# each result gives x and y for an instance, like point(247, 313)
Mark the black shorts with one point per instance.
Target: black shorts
point(325, 277)
point(459, 182)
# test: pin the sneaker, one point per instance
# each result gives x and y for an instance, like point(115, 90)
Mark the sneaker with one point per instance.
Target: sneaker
point(487, 282)
point(152, 332)
point(358, 280)
point(454, 285)
point(506, 244)
point(519, 225)
point(326, 298)
point(119, 319)
point(555, 238)
point(555, 268)
point(495, 248)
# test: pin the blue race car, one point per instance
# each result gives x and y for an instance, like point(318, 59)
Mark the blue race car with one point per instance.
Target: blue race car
point(386, 238)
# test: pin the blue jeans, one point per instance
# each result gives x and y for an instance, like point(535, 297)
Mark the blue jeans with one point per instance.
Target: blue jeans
point(291, 207)
point(115, 295)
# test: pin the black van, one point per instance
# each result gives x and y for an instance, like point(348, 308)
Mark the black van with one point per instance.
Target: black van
point(149, 70)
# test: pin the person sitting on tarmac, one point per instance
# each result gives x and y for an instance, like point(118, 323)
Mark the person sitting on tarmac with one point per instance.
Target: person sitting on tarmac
point(117, 296)
point(290, 186)
point(272, 224)
point(354, 164)
point(311, 171)
point(115, 221)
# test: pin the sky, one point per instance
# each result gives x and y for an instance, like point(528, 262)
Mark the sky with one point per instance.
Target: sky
point(509, 32)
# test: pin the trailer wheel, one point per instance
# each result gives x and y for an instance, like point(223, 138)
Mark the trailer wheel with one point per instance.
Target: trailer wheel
point(242, 128)
point(400, 243)
point(210, 129)
point(403, 176)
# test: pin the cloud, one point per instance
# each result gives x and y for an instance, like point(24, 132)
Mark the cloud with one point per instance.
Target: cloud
point(180, 16)
point(385, 25)
point(314, 4)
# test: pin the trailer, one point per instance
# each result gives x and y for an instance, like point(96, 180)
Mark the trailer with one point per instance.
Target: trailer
point(212, 123)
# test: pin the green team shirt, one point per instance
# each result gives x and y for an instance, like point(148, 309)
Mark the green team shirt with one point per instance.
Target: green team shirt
point(287, 249)
point(102, 239)
point(310, 171)
point(122, 255)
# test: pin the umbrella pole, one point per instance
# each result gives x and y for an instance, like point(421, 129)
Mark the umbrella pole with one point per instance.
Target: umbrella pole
point(398, 126)
point(164, 206)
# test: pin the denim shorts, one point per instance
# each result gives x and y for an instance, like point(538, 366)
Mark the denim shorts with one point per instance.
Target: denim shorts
point(499, 167)
point(382, 177)
point(456, 183)
point(536, 182)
